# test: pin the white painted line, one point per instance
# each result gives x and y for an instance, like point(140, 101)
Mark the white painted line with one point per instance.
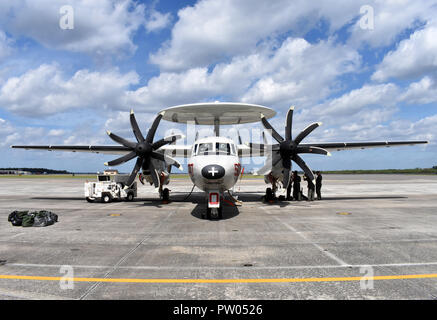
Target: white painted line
point(320, 248)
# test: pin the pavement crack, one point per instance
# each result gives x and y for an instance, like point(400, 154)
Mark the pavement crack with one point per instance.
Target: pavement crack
point(127, 255)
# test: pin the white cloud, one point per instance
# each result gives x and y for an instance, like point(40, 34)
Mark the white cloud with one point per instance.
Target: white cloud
point(391, 18)
point(296, 72)
point(413, 58)
point(157, 21)
point(100, 26)
point(5, 45)
point(421, 92)
point(213, 30)
point(45, 91)
point(302, 73)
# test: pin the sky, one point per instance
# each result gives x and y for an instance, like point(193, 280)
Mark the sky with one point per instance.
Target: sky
point(70, 70)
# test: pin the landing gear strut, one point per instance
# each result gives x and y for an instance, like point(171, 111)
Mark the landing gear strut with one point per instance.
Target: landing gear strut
point(214, 206)
point(213, 213)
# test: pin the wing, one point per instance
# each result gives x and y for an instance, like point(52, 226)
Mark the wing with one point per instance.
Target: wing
point(169, 150)
point(248, 151)
point(338, 146)
point(92, 149)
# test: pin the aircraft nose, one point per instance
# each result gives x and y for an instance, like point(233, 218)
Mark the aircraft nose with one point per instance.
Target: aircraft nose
point(213, 171)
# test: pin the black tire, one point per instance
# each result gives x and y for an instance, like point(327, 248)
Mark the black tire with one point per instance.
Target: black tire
point(106, 198)
point(269, 194)
point(220, 212)
point(165, 194)
point(91, 200)
point(208, 213)
point(130, 196)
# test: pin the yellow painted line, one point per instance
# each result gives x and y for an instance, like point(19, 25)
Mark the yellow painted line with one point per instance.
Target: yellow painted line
point(272, 280)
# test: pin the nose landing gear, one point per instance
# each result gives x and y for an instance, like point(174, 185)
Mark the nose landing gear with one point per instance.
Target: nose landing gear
point(214, 208)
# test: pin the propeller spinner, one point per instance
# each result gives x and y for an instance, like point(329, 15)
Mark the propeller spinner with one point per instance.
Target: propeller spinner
point(144, 150)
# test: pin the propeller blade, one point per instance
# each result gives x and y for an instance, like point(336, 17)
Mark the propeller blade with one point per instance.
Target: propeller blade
point(315, 150)
point(154, 175)
point(304, 167)
point(152, 130)
point(306, 132)
point(239, 138)
point(167, 140)
point(265, 169)
point(121, 140)
point(134, 172)
point(286, 163)
point(289, 123)
point(135, 128)
point(166, 159)
point(272, 131)
point(122, 159)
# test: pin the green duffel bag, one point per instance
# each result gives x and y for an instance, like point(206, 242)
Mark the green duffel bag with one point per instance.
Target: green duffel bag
point(28, 220)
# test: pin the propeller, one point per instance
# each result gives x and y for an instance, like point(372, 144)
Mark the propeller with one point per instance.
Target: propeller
point(289, 149)
point(144, 150)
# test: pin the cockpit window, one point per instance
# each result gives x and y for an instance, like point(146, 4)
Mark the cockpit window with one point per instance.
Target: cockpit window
point(222, 148)
point(205, 148)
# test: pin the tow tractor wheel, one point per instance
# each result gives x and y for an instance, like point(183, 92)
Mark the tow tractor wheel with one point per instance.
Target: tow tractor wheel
point(166, 194)
point(106, 198)
point(208, 213)
point(90, 199)
point(130, 196)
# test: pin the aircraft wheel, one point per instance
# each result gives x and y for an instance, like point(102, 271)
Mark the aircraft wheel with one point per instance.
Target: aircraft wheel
point(269, 194)
point(166, 194)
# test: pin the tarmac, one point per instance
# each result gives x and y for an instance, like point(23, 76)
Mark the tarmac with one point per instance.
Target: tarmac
point(380, 227)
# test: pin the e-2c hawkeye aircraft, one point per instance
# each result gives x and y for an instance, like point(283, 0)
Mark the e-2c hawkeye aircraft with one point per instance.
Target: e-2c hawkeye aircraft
point(214, 162)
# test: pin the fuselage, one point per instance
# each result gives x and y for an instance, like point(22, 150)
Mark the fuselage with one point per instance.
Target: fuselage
point(214, 164)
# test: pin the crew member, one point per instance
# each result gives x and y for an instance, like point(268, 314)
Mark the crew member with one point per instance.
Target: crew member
point(319, 185)
point(310, 188)
point(296, 186)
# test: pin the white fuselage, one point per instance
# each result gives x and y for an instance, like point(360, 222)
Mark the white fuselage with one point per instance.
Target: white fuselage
point(214, 164)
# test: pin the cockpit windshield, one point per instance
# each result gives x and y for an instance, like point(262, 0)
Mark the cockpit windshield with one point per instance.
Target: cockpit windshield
point(205, 148)
point(214, 148)
point(222, 148)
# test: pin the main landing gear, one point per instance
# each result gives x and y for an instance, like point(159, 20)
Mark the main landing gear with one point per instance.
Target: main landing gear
point(164, 194)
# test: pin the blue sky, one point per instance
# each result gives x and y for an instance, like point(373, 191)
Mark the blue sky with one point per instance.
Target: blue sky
point(366, 69)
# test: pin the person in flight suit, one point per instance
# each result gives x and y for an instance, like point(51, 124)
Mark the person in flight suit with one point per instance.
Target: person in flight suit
point(319, 185)
point(296, 186)
point(310, 188)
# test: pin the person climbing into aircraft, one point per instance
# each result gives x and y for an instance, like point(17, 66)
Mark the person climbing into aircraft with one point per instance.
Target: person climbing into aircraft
point(310, 195)
point(296, 186)
point(319, 185)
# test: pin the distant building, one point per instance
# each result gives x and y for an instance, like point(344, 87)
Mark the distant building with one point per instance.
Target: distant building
point(110, 172)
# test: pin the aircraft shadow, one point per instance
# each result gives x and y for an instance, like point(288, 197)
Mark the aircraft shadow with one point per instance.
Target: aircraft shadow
point(228, 212)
